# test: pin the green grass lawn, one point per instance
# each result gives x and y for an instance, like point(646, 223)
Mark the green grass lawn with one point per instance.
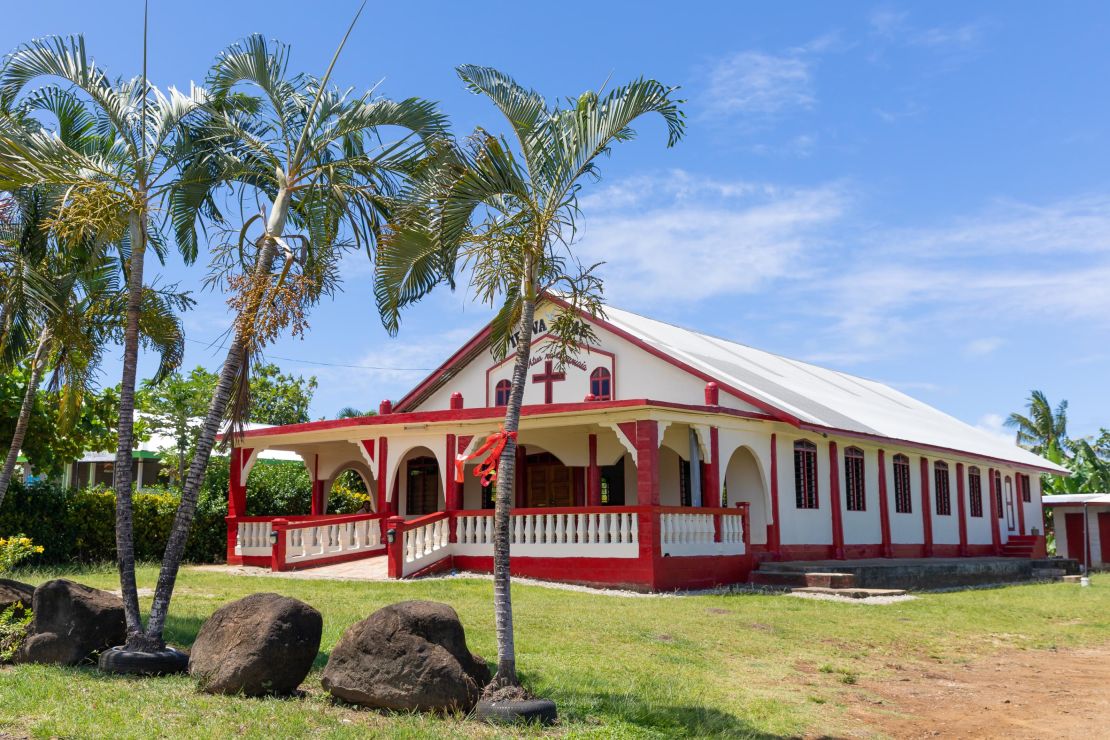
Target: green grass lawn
point(728, 665)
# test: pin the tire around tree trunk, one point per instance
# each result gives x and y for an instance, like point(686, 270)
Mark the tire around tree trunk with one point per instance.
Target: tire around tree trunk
point(516, 711)
point(164, 662)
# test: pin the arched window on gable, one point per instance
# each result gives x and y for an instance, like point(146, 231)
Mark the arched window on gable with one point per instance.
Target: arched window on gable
point(975, 491)
point(501, 393)
point(601, 384)
point(903, 503)
point(855, 489)
point(941, 487)
point(805, 474)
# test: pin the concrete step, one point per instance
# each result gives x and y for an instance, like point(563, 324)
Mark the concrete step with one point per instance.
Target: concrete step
point(1048, 573)
point(771, 576)
point(851, 593)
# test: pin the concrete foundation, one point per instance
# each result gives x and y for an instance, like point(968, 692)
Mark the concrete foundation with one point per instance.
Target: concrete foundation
point(916, 573)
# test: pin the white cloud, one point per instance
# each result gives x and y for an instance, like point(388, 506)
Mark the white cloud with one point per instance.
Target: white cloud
point(754, 83)
point(994, 425)
point(983, 346)
point(963, 37)
point(711, 237)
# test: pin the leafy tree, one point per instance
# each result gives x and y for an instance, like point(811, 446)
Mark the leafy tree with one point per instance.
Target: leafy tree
point(173, 407)
point(510, 217)
point(48, 446)
point(276, 398)
point(83, 310)
point(1041, 427)
point(327, 164)
point(129, 168)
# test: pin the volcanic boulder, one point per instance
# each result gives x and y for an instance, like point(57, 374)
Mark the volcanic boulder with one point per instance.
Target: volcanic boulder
point(261, 644)
point(71, 622)
point(407, 656)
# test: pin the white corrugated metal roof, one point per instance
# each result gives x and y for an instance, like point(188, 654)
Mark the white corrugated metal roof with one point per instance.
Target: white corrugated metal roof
point(820, 396)
point(1077, 498)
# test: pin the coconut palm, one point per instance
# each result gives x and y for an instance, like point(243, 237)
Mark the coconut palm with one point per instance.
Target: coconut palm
point(126, 170)
point(1041, 427)
point(326, 165)
point(508, 218)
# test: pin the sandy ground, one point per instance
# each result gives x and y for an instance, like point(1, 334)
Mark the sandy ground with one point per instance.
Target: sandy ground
point(1015, 694)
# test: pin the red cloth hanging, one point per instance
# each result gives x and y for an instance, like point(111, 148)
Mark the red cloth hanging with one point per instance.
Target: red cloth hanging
point(487, 469)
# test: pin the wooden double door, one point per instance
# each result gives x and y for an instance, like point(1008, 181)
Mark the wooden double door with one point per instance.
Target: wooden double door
point(548, 482)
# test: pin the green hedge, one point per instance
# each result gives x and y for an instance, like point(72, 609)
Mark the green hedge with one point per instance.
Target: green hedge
point(79, 525)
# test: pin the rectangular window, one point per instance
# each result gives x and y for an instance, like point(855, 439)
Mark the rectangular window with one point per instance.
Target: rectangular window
point(1026, 486)
point(903, 504)
point(489, 496)
point(975, 492)
point(943, 494)
point(856, 491)
point(805, 475)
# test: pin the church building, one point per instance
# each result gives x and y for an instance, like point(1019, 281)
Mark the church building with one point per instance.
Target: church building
point(659, 458)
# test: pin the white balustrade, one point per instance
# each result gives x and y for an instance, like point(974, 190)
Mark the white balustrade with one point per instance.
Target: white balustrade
point(599, 535)
point(327, 540)
point(253, 539)
point(425, 544)
point(684, 534)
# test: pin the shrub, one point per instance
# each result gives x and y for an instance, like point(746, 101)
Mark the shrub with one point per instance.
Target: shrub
point(15, 549)
point(14, 622)
point(79, 525)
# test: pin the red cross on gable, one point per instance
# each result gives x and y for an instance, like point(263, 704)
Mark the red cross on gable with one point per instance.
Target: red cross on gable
point(548, 378)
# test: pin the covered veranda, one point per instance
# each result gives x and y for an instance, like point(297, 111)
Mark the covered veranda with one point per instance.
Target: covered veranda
point(617, 492)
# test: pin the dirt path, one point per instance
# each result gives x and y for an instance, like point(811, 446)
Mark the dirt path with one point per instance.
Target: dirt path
point(1015, 694)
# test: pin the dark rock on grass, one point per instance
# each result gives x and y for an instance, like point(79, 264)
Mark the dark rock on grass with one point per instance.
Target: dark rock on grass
point(14, 592)
point(71, 623)
point(407, 656)
point(261, 644)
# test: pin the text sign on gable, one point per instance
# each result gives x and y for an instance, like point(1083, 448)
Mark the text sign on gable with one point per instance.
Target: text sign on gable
point(539, 326)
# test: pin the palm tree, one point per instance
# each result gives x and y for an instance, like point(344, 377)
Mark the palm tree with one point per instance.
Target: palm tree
point(350, 412)
point(126, 169)
point(325, 163)
point(1041, 428)
point(510, 218)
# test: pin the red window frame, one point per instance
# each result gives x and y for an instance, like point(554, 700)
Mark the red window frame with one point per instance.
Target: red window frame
point(975, 491)
point(855, 486)
point(998, 495)
point(501, 393)
point(805, 474)
point(942, 488)
point(1026, 488)
point(903, 496)
point(601, 384)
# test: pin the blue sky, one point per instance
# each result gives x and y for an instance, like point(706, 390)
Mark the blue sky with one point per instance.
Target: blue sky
point(918, 194)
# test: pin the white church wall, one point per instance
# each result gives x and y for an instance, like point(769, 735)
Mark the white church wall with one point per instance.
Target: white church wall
point(946, 529)
point(747, 478)
point(862, 527)
point(669, 480)
point(978, 527)
point(804, 526)
point(905, 528)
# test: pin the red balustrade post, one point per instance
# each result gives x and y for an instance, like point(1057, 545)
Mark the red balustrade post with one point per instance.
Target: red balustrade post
point(745, 521)
point(232, 536)
point(395, 545)
point(278, 528)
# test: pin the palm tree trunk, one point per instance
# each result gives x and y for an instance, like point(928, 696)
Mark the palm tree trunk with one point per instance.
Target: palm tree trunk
point(37, 367)
point(506, 478)
point(221, 397)
point(125, 538)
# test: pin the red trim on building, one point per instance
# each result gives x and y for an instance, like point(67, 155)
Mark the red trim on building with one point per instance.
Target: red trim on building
point(775, 544)
point(961, 506)
point(647, 462)
point(884, 508)
point(835, 505)
point(1020, 482)
point(368, 445)
point(451, 492)
point(926, 508)
point(712, 495)
point(593, 476)
point(384, 504)
point(996, 534)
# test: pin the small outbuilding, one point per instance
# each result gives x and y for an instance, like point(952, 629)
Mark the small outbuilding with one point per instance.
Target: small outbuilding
point(1082, 524)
